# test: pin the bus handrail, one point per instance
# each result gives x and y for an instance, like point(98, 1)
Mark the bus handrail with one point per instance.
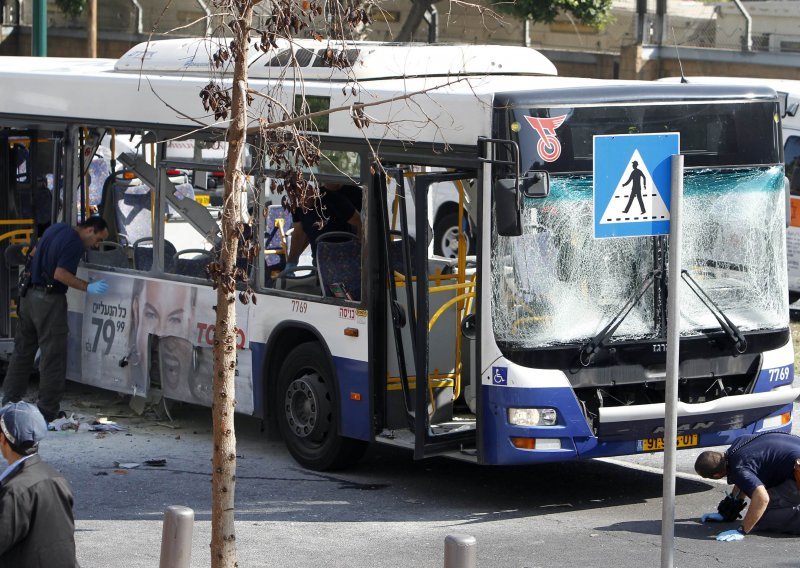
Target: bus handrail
point(17, 236)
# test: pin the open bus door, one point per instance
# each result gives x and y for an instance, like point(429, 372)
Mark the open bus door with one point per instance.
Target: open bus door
point(428, 298)
point(30, 161)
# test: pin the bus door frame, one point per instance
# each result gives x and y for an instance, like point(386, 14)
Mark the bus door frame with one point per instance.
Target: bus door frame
point(426, 443)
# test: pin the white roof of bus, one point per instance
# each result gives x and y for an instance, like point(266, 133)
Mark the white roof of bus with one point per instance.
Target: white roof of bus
point(173, 72)
point(783, 85)
point(110, 92)
point(369, 60)
point(790, 122)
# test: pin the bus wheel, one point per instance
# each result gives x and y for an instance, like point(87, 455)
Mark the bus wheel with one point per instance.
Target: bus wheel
point(308, 412)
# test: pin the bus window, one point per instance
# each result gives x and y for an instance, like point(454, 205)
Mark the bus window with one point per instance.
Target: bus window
point(186, 250)
point(326, 235)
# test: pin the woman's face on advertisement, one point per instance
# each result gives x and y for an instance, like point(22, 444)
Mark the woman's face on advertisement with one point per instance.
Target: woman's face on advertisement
point(164, 309)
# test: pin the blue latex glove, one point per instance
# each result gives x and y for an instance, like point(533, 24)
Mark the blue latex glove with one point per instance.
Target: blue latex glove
point(711, 517)
point(290, 265)
point(97, 287)
point(730, 536)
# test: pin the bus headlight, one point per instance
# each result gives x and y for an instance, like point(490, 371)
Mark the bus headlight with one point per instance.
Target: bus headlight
point(532, 416)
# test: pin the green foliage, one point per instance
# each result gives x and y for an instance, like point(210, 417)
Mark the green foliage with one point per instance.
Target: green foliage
point(72, 8)
point(595, 13)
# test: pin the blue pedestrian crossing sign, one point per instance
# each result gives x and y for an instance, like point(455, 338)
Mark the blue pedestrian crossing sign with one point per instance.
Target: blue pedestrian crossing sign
point(632, 184)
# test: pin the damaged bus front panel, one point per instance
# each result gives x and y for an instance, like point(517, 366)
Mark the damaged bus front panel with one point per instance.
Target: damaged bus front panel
point(575, 354)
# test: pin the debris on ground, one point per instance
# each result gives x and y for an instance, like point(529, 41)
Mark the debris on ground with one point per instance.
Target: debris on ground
point(106, 425)
point(66, 423)
point(156, 463)
point(127, 465)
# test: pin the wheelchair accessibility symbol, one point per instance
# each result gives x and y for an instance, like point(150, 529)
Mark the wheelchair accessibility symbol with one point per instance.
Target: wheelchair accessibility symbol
point(500, 375)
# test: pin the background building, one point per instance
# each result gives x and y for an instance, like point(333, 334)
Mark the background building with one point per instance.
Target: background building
point(757, 38)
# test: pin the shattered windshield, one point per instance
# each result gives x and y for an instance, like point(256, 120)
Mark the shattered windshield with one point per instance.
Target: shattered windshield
point(558, 285)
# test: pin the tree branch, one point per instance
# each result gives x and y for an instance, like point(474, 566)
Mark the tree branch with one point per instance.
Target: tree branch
point(351, 108)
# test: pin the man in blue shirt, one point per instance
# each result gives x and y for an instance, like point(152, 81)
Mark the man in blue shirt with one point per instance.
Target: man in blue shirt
point(42, 322)
point(762, 467)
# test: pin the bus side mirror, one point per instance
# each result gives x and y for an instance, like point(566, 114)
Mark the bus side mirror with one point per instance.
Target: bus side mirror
point(508, 208)
point(536, 184)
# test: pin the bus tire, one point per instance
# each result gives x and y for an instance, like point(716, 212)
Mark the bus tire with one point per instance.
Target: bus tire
point(308, 412)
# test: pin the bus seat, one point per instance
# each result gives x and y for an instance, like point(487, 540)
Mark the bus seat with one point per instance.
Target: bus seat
point(134, 211)
point(36, 202)
point(396, 255)
point(195, 266)
point(300, 279)
point(42, 202)
point(15, 254)
point(109, 253)
point(143, 255)
point(339, 263)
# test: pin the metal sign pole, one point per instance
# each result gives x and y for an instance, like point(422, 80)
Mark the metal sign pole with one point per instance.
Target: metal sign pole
point(673, 349)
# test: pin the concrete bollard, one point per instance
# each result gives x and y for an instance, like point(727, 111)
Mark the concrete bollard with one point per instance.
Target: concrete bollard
point(460, 551)
point(176, 537)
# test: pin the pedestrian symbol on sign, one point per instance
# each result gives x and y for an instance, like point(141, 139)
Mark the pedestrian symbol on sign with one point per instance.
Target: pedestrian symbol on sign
point(635, 185)
point(632, 184)
point(638, 178)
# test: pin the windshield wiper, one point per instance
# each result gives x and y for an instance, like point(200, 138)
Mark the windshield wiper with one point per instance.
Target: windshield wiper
point(725, 323)
point(589, 350)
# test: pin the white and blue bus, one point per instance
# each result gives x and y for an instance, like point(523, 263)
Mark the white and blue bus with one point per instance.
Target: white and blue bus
point(536, 343)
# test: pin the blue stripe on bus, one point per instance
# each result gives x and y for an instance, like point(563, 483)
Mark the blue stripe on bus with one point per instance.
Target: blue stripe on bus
point(259, 355)
point(768, 379)
point(577, 440)
point(353, 377)
point(497, 432)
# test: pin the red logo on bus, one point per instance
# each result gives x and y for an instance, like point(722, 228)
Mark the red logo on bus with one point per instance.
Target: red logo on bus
point(549, 147)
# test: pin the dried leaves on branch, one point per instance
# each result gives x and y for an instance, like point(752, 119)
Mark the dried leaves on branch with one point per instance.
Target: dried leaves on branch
point(288, 140)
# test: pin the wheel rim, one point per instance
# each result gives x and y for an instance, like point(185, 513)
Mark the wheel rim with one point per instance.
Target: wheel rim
point(449, 242)
point(306, 408)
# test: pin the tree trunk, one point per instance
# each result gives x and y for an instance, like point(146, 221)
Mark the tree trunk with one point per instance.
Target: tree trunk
point(223, 483)
point(413, 20)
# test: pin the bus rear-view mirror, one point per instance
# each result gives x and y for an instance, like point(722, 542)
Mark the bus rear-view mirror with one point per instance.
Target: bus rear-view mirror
point(535, 184)
point(507, 208)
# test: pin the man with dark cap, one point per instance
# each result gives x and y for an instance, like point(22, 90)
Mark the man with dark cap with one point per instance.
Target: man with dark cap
point(764, 467)
point(37, 529)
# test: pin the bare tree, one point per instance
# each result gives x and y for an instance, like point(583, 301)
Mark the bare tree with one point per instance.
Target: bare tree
point(286, 20)
point(286, 128)
point(223, 274)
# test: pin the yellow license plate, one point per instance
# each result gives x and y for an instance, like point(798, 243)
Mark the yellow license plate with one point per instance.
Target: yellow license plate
point(657, 444)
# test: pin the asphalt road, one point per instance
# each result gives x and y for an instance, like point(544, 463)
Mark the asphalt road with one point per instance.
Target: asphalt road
point(389, 511)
